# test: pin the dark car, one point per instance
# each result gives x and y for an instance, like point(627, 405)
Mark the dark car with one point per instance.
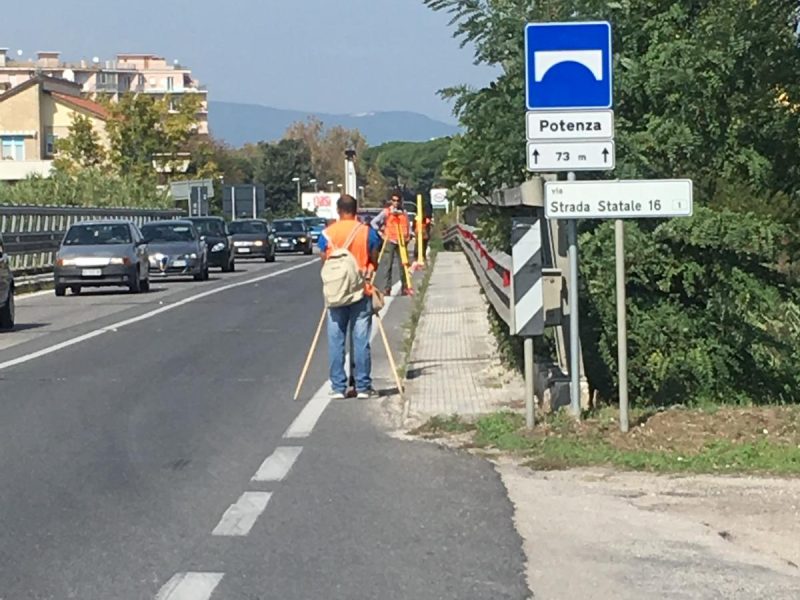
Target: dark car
point(252, 238)
point(102, 253)
point(365, 215)
point(6, 289)
point(214, 232)
point(316, 225)
point(292, 235)
point(175, 248)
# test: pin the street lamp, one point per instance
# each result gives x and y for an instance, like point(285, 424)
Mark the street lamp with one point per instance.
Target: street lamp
point(340, 186)
point(314, 183)
point(297, 181)
point(362, 192)
point(330, 185)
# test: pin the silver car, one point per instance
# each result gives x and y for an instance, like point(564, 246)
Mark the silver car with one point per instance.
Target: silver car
point(6, 289)
point(102, 253)
point(176, 248)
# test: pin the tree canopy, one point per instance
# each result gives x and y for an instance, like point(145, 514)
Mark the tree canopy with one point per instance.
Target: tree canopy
point(706, 90)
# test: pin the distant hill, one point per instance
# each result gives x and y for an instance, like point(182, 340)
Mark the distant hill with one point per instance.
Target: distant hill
point(239, 124)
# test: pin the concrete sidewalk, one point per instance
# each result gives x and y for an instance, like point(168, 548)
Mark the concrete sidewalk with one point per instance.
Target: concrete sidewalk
point(454, 368)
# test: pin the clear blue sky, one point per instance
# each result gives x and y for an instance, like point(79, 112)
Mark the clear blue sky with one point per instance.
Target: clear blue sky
point(342, 56)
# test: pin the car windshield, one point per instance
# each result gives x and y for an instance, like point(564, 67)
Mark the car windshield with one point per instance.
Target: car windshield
point(98, 235)
point(289, 226)
point(316, 222)
point(163, 233)
point(247, 227)
point(210, 227)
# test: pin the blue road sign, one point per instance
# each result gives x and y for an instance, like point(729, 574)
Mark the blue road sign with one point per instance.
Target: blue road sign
point(568, 65)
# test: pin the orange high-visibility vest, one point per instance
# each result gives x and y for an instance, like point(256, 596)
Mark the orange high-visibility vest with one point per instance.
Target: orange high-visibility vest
point(392, 221)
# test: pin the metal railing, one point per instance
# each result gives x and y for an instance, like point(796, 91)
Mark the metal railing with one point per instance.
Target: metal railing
point(493, 269)
point(32, 234)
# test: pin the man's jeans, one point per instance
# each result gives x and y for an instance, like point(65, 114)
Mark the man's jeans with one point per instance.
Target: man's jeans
point(340, 319)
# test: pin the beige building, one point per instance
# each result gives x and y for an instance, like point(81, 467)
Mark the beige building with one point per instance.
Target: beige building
point(138, 73)
point(33, 116)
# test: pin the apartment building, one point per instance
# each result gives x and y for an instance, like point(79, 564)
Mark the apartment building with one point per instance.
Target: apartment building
point(141, 73)
point(33, 116)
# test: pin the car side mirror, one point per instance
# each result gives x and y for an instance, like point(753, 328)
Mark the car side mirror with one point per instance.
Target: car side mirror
point(202, 238)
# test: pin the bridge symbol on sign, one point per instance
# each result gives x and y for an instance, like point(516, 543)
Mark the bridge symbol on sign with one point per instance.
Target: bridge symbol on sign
point(568, 65)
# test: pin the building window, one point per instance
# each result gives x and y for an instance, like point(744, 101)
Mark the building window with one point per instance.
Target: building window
point(140, 80)
point(173, 105)
point(170, 83)
point(50, 144)
point(12, 147)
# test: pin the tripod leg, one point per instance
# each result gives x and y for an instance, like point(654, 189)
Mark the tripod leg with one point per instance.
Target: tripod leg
point(311, 351)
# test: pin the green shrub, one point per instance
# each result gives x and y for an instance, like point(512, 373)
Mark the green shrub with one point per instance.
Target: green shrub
point(710, 317)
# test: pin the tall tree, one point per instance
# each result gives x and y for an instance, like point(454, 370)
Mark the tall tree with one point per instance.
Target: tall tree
point(327, 146)
point(143, 129)
point(81, 149)
point(275, 165)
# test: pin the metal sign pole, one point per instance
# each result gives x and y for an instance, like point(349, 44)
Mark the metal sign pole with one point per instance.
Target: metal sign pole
point(574, 337)
point(530, 400)
point(622, 325)
point(255, 209)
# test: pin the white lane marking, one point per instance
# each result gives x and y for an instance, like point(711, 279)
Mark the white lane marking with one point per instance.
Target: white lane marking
point(240, 517)
point(305, 422)
point(148, 315)
point(190, 586)
point(277, 466)
point(33, 294)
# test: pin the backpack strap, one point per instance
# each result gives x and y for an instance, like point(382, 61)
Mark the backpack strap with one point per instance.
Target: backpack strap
point(348, 241)
point(352, 236)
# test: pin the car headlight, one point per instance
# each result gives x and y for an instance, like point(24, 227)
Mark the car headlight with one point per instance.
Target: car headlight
point(190, 256)
point(65, 262)
point(119, 261)
point(218, 247)
point(259, 243)
point(302, 240)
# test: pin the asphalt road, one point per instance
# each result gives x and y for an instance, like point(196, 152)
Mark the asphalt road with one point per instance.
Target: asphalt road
point(149, 448)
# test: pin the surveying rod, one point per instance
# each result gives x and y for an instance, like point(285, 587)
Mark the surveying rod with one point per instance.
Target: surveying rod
point(350, 188)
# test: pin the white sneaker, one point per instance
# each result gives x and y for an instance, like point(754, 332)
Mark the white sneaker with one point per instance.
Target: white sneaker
point(367, 395)
point(334, 395)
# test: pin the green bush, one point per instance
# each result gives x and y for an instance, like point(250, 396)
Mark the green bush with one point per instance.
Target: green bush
point(89, 187)
point(710, 317)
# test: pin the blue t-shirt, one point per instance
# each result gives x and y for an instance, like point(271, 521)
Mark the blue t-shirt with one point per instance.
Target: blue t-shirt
point(373, 242)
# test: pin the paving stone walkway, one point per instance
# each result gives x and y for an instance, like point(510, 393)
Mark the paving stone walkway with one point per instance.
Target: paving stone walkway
point(454, 368)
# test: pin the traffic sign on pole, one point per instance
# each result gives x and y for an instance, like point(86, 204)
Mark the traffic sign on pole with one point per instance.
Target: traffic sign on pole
point(548, 125)
point(570, 156)
point(568, 65)
point(623, 199)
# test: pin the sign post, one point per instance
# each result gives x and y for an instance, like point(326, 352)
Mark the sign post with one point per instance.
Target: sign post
point(570, 126)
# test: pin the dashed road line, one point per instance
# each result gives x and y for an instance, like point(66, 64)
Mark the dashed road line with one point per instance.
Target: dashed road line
point(239, 519)
point(277, 466)
point(190, 586)
point(148, 315)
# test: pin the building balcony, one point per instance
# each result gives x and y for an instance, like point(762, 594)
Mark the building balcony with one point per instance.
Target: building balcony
point(17, 170)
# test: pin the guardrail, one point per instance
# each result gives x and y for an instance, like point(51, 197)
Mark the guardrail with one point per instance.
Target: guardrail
point(32, 234)
point(492, 268)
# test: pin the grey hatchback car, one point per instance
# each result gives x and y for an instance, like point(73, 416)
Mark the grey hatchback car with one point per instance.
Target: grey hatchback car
point(175, 248)
point(102, 253)
point(6, 289)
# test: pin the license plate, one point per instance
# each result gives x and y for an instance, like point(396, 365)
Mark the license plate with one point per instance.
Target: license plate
point(244, 250)
point(285, 245)
point(178, 263)
point(92, 272)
